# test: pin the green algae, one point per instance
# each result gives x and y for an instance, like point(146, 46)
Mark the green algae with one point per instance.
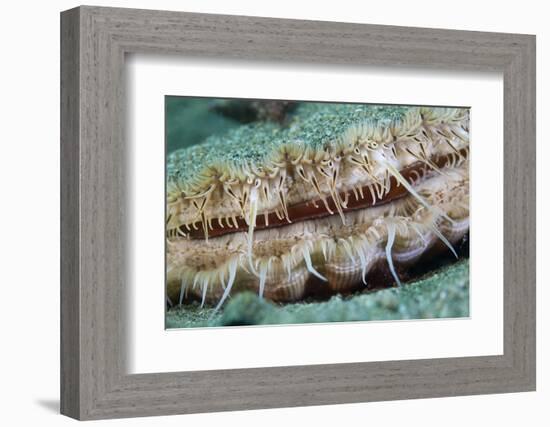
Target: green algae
point(312, 125)
point(442, 293)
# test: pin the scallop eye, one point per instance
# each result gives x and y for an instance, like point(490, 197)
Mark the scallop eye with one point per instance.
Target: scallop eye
point(357, 151)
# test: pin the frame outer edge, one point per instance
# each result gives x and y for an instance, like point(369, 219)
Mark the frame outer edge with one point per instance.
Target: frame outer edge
point(526, 77)
point(532, 184)
point(70, 397)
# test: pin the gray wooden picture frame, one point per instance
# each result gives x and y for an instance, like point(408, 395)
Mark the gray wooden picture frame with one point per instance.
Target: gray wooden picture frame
point(94, 41)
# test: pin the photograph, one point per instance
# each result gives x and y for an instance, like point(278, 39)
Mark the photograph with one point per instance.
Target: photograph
point(293, 212)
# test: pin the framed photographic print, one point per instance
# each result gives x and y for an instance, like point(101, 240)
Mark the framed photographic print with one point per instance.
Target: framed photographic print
point(280, 213)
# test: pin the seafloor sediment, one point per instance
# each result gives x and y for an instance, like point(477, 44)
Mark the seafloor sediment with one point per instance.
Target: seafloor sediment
point(441, 293)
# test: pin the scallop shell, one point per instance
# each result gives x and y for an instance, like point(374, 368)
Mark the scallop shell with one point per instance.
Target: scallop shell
point(335, 252)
